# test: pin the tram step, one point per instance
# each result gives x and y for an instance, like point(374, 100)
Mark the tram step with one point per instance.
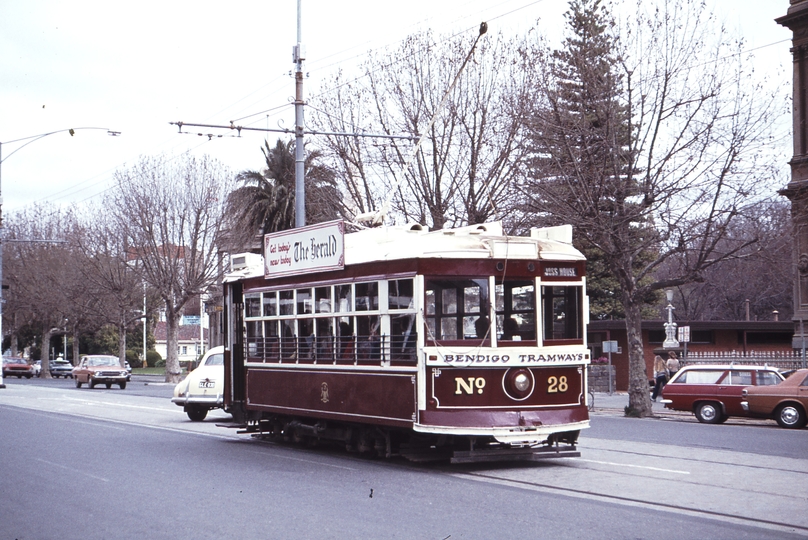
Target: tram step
point(513, 454)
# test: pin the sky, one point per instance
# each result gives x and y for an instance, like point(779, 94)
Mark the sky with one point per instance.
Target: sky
point(134, 67)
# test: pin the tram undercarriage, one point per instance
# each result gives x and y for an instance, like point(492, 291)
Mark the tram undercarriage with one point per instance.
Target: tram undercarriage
point(387, 442)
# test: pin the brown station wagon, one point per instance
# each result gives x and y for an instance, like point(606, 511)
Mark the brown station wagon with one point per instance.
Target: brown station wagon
point(713, 392)
point(786, 402)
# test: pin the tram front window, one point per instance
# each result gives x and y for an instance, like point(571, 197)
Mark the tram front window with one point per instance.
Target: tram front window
point(562, 313)
point(515, 302)
point(456, 309)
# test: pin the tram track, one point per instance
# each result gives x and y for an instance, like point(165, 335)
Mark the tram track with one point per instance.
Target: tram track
point(623, 500)
point(709, 483)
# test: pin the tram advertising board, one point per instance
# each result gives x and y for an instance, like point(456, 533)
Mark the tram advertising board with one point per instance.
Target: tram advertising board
point(315, 248)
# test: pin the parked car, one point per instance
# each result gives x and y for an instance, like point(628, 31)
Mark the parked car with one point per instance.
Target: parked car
point(713, 392)
point(37, 368)
point(786, 402)
point(61, 368)
point(203, 388)
point(100, 369)
point(16, 366)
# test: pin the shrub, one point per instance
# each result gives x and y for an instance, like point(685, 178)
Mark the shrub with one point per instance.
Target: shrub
point(133, 358)
point(160, 363)
point(152, 357)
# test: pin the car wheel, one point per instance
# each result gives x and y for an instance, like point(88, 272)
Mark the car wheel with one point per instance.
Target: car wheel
point(196, 414)
point(122, 385)
point(790, 416)
point(708, 412)
point(90, 382)
point(108, 385)
point(28, 376)
point(78, 383)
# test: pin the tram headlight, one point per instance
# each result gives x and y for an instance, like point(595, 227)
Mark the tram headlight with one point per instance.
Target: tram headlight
point(518, 383)
point(521, 382)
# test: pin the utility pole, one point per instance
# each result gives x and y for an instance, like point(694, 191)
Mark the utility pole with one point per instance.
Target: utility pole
point(300, 160)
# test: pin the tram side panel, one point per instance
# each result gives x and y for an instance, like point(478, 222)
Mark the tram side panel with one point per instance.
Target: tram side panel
point(370, 397)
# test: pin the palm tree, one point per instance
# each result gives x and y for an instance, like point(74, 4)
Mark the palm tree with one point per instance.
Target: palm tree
point(266, 200)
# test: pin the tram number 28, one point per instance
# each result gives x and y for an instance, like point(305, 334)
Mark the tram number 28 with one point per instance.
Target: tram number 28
point(557, 385)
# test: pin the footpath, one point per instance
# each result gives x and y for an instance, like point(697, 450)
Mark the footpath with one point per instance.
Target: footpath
point(615, 404)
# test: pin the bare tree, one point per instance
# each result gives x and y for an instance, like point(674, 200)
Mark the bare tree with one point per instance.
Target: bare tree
point(465, 170)
point(105, 266)
point(651, 140)
point(761, 274)
point(171, 213)
point(42, 274)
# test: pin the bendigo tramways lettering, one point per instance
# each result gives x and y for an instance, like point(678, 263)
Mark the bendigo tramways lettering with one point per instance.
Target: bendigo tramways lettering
point(504, 358)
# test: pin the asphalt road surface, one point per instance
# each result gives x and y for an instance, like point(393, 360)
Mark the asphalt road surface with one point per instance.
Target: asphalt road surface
point(80, 463)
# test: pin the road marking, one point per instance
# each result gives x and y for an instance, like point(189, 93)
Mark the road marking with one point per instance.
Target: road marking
point(72, 470)
point(632, 466)
point(274, 456)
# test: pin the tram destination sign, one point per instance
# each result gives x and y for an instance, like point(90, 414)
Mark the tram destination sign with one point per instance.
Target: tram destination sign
point(315, 248)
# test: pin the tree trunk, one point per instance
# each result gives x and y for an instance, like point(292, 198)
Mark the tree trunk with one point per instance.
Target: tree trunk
point(122, 345)
point(173, 371)
point(639, 397)
point(76, 343)
point(45, 347)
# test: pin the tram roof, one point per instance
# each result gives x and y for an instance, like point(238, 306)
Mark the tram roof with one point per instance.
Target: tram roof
point(484, 241)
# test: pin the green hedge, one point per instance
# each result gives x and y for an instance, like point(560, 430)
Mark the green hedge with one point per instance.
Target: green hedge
point(153, 357)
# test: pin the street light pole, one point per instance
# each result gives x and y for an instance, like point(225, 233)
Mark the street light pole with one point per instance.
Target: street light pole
point(31, 139)
point(670, 326)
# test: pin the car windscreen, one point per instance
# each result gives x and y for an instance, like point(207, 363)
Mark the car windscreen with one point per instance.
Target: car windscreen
point(103, 361)
point(215, 360)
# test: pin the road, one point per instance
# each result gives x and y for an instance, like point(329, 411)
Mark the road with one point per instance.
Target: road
point(82, 463)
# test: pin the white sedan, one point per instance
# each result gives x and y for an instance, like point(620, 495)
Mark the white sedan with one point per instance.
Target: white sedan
point(203, 388)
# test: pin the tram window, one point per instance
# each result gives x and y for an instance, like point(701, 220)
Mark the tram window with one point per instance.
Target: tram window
point(305, 340)
point(252, 305)
point(325, 338)
point(471, 299)
point(287, 302)
point(288, 338)
point(515, 302)
point(402, 336)
point(271, 339)
point(322, 299)
point(270, 304)
point(344, 298)
point(458, 308)
point(367, 338)
point(253, 337)
point(367, 296)
point(304, 302)
point(399, 293)
point(448, 328)
point(449, 299)
point(562, 312)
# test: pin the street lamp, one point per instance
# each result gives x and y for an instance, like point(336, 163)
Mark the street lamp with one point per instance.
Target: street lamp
point(29, 140)
point(670, 326)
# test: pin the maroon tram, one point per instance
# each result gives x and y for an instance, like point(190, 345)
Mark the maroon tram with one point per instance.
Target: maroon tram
point(461, 343)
